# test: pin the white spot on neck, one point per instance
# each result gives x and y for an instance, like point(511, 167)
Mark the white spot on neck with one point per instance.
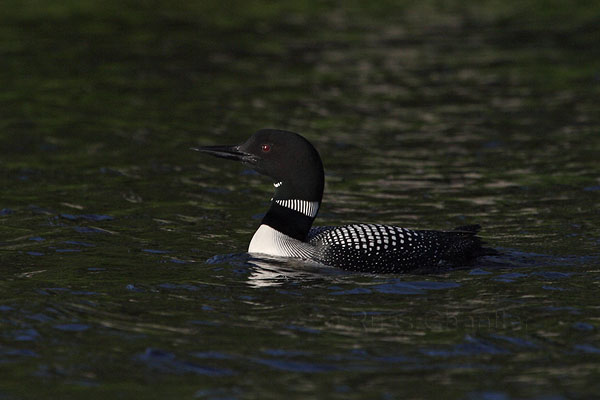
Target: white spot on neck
point(277, 184)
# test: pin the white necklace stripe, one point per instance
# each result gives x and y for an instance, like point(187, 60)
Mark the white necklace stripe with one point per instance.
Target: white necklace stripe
point(308, 208)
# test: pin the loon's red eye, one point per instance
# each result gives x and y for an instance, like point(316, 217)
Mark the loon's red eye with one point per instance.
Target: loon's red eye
point(266, 148)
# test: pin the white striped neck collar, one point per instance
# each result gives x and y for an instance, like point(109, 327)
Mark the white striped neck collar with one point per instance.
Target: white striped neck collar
point(308, 208)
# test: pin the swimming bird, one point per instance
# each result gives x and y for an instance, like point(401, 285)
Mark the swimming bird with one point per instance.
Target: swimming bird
point(296, 170)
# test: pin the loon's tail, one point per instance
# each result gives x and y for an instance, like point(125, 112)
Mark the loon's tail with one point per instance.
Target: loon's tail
point(466, 246)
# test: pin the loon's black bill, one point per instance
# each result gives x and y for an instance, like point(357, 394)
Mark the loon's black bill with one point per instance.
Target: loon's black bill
point(228, 152)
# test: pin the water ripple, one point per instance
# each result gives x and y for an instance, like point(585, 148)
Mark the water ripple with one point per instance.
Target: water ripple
point(168, 362)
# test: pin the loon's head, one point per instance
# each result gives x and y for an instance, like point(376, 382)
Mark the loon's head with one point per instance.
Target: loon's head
point(288, 158)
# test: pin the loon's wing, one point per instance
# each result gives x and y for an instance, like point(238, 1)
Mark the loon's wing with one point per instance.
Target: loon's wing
point(385, 248)
point(317, 230)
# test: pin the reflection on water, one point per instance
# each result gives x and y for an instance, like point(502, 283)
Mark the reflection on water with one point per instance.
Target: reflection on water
point(122, 251)
point(275, 272)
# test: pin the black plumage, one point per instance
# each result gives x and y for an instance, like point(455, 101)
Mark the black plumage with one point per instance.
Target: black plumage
point(384, 248)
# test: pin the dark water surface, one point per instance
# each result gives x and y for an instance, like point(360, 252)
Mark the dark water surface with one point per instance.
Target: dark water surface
point(122, 252)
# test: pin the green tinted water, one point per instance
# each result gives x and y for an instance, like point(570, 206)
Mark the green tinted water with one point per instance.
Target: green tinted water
point(122, 251)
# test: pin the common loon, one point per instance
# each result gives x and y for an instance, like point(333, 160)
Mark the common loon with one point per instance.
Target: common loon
point(296, 169)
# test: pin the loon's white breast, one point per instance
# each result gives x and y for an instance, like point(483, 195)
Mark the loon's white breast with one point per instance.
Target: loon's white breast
point(269, 241)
